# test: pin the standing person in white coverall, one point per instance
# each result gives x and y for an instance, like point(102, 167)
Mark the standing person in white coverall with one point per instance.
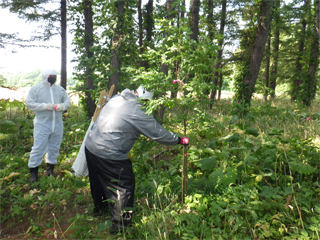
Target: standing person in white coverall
point(47, 101)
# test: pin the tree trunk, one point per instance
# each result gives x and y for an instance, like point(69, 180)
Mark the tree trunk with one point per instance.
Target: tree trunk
point(116, 48)
point(149, 27)
point(299, 75)
point(314, 59)
point(183, 8)
point(88, 25)
point(275, 52)
point(140, 32)
point(194, 19)
point(220, 51)
point(194, 27)
point(220, 85)
point(164, 67)
point(257, 50)
point(266, 93)
point(211, 22)
point(63, 81)
point(149, 19)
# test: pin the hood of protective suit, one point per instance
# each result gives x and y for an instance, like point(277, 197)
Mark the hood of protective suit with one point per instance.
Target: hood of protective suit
point(144, 94)
point(46, 74)
point(129, 94)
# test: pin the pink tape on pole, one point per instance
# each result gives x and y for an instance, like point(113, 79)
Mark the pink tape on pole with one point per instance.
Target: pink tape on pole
point(179, 81)
point(55, 107)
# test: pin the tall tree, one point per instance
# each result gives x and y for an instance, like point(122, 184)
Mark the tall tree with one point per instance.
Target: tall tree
point(220, 51)
point(140, 32)
point(311, 81)
point(63, 14)
point(275, 49)
point(267, 70)
point(164, 67)
point(37, 11)
point(252, 65)
point(116, 46)
point(300, 73)
point(88, 39)
point(149, 24)
point(194, 19)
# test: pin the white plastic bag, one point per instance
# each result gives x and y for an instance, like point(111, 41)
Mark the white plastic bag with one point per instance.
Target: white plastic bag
point(80, 166)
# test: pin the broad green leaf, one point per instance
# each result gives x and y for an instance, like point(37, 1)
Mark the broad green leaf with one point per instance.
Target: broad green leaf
point(242, 126)
point(212, 144)
point(103, 226)
point(301, 168)
point(231, 138)
point(306, 169)
point(8, 126)
point(275, 131)
point(223, 155)
point(68, 173)
point(237, 148)
point(160, 189)
point(78, 183)
point(206, 163)
point(251, 131)
point(233, 120)
point(258, 178)
point(225, 177)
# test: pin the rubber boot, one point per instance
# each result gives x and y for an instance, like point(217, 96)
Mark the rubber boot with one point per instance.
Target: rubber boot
point(33, 174)
point(49, 171)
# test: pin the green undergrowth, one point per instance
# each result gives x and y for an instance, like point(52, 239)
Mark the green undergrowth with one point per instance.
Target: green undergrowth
point(255, 177)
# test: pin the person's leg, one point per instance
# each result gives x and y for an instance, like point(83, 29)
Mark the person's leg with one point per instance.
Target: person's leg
point(96, 188)
point(39, 148)
point(54, 143)
point(40, 142)
point(119, 185)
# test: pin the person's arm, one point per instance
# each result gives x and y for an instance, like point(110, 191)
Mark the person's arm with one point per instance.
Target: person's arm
point(65, 102)
point(33, 105)
point(148, 126)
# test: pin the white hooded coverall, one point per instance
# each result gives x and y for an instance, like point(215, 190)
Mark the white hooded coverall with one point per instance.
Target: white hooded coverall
point(48, 124)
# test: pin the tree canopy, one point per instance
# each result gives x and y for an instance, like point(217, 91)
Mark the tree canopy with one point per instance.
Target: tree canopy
point(256, 45)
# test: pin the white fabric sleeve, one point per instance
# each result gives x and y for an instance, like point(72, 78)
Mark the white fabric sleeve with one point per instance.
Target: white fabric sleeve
point(65, 101)
point(32, 104)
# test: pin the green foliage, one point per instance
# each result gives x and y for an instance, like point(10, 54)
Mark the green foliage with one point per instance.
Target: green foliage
point(249, 177)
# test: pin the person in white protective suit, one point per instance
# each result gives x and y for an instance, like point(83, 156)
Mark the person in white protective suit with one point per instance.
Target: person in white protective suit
point(48, 101)
point(111, 137)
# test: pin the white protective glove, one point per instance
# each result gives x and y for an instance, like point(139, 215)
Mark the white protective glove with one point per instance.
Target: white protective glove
point(49, 106)
point(59, 107)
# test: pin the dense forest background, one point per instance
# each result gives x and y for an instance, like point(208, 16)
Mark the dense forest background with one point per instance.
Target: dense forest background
point(252, 168)
point(249, 46)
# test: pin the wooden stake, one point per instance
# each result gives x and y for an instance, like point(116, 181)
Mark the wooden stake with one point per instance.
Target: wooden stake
point(184, 180)
point(102, 101)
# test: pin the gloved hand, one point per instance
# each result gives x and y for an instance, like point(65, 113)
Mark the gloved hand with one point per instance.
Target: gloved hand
point(59, 107)
point(49, 106)
point(184, 141)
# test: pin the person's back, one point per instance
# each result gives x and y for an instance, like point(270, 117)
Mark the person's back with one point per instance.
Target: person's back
point(119, 125)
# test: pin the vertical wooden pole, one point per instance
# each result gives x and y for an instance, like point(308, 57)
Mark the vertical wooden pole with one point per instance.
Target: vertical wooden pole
point(184, 181)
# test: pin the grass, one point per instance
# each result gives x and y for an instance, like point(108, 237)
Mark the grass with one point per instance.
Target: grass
point(249, 178)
